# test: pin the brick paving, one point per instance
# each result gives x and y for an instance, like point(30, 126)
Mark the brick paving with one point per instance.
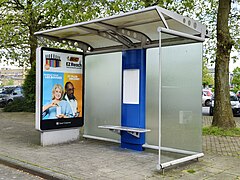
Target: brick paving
point(221, 145)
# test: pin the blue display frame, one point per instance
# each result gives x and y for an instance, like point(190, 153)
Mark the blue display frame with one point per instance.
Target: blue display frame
point(134, 115)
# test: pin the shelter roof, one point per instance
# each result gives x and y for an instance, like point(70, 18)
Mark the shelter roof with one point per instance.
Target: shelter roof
point(130, 30)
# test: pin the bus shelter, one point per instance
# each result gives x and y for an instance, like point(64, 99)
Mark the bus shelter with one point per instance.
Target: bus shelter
point(142, 80)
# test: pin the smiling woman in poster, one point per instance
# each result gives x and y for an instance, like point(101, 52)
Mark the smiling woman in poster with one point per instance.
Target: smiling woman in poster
point(57, 108)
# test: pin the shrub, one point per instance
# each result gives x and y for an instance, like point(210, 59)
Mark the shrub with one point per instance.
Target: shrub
point(29, 88)
point(19, 105)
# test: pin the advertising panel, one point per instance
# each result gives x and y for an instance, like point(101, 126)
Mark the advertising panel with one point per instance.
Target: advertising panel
point(61, 75)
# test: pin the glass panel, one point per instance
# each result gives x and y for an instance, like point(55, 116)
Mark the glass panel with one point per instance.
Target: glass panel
point(181, 97)
point(102, 93)
point(152, 96)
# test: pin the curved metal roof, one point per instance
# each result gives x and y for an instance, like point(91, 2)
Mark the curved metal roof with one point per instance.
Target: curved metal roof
point(129, 30)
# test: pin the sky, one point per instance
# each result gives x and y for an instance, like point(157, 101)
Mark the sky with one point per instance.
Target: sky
point(233, 65)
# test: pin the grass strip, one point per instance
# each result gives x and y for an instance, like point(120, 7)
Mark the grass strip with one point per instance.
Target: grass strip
point(215, 131)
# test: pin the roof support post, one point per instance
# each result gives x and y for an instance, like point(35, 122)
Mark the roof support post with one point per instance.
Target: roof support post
point(163, 19)
point(159, 99)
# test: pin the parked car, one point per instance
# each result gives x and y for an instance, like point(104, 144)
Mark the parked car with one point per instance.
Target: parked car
point(10, 94)
point(238, 94)
point(235, 104)
point(206, 99)
point(208, 92)
point(2, 89)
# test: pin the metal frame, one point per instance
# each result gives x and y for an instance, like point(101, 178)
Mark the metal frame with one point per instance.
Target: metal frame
point(117, 129)
point(180, 151)
point(159, 99)
point(161, 166)
point(101, 138)
point(153, 44)
point(84, 46)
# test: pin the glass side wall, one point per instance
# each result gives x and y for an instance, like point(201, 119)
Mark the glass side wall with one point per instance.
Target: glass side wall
point(181, 97)
point(102, 94)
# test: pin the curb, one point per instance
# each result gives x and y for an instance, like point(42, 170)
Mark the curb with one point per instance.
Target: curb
point(32, 169)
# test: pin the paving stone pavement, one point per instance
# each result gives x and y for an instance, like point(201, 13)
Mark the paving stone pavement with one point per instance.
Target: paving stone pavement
point(92, 159)
point(222, 145)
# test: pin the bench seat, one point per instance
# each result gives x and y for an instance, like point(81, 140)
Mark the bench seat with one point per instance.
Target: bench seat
point(134, 131)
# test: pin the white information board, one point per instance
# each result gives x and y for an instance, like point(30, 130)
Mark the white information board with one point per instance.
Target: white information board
point(131, 86)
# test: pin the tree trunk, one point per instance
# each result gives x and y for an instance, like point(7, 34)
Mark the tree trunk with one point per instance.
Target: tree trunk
point(32, 24)
point(223, 116)
point(33, 46)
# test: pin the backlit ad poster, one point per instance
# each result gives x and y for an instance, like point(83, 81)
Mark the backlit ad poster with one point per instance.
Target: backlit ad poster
point(61, 100)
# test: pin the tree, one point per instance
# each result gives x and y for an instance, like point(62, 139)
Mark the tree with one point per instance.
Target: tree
point(205, 11)
point(236, 79)
point(20, 19)
point(223, 116)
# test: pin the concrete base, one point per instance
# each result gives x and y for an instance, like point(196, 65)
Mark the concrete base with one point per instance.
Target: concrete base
point(59, 136)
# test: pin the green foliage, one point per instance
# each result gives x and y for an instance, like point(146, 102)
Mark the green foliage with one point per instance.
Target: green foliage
point(10, 82)
point(236, 79)
point(213, 89)
point(215, 131)
point(19, 20)
point(207, 78)
point(29, 87)
point(192, 171)
point(115, 7)
point(205, 12)
point(19, 105)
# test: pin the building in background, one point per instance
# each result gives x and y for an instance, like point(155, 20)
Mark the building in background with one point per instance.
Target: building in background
point(10, 76)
